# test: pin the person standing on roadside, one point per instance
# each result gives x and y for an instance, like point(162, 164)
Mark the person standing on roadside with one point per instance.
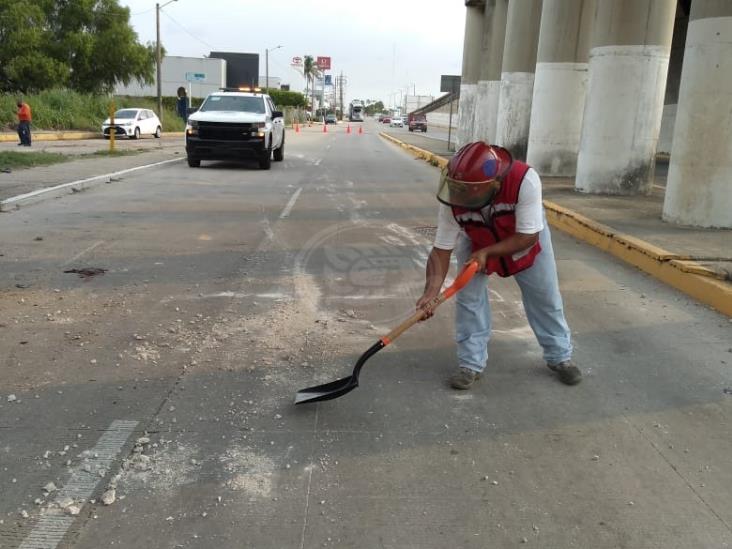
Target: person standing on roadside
point(491, 212)
point(24, 122)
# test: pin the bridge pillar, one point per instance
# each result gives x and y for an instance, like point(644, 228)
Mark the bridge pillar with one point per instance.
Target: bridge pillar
point(559, 86)
point(629, 56)
point(471, 70)
point(699, 188)
point(489, 84)
point(517, 76)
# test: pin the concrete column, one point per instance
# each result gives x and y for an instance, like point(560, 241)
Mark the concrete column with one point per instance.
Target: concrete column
point(471, 70)
point(699, 188)
point(629, 55)
point(517, 76)
point(560, 86)
point(489, 84)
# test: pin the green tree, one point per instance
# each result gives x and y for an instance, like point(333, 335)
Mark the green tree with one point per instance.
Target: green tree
point(88, 45)
point(310, 71)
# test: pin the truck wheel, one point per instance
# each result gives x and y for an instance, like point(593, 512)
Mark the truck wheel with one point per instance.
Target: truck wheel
point(279, 153)
point(265, 161)
point(194, 162)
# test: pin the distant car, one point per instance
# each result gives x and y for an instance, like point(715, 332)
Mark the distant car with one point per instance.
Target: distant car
point(417, 122)
point(396, 122)
point(386, 119)
point(405, 120)
point(331, 119)
point(381, 118)
point(133, 123)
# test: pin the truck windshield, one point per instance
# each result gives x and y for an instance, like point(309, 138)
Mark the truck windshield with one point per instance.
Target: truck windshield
point(236, 103)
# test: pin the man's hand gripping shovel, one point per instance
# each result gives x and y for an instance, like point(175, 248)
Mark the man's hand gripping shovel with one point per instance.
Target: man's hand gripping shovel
point(340, 387)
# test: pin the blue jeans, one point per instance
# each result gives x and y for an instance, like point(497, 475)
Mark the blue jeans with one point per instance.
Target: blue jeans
point(24, 132)
point(542, 303)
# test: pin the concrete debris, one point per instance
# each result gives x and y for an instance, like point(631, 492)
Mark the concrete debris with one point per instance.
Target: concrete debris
point(63, 503)
point(595, 458)
point(24, 513)
point(109, 497)
point(73, 510)
point(50, 488)
point(12, 398)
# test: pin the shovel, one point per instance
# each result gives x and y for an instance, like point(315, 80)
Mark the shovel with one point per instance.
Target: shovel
point(340, 387)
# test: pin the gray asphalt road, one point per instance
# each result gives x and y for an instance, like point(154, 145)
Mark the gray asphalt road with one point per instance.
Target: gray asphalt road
point(171, 376)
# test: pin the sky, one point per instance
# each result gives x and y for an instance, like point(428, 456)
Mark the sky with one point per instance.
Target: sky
point(381, 46)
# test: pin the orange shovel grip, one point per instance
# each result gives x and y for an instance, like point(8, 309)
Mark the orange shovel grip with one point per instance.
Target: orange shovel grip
point(462, 279)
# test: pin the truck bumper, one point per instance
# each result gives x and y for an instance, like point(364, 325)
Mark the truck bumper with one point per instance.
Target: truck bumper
point(211, 149)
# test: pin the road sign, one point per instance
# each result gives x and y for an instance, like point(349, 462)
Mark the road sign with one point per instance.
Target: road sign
point(297, 62)
point(323, 63)
point(450, 83)
point(328, 80)
point(195, 76)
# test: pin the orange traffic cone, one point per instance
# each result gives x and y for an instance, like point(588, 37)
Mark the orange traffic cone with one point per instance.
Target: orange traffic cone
point(297, 128)
point(360, 130)
point(325, 127)
point(348, 129)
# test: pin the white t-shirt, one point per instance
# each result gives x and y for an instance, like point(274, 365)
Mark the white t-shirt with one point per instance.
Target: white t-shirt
point(529, 214)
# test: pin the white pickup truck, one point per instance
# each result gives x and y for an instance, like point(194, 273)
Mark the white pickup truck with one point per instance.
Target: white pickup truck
point(236, 124)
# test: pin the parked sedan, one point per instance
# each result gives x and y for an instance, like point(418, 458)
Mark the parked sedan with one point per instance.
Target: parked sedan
point(396, 122)
point(133, 123)
point(331, 119)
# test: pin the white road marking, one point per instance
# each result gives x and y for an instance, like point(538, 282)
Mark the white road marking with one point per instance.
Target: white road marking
point(290, 204)
point(317, 162)
point(84, 252)
point(4, 204)
point(53, 525)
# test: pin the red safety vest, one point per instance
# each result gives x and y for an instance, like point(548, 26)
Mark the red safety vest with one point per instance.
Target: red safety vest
point(496, 222)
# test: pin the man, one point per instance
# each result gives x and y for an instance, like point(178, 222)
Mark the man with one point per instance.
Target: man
point(24, 121)
point(491, 212)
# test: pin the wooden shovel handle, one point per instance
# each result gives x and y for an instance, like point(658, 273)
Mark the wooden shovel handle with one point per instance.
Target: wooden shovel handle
point(462, 279)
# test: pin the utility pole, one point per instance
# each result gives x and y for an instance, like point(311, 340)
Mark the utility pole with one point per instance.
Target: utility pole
point(340, 84)
point(266, 66)
point(158, 58)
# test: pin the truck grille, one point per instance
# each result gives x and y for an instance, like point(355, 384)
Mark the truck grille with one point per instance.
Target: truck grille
point(224, 131)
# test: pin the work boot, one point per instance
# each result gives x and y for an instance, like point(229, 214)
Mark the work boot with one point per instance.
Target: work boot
point(567, 372)
point(464, 378)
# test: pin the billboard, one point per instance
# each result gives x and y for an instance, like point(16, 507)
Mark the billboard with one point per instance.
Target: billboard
point(323, 63)
point(328, 80)
point(450, 83)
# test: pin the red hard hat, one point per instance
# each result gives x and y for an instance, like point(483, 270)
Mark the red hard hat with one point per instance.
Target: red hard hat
point(473, 176)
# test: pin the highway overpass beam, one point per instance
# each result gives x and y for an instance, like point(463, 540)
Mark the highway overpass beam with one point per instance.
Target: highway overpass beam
point(489, 83)
point(699, 188)
point(471, 70)
point(628, 64)
point(517, 76)
point(560, 85)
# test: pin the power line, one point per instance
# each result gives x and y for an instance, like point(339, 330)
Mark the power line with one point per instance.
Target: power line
point(188, 32)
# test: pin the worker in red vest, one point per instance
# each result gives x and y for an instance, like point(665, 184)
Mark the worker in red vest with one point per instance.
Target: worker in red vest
point(491, 211)
point(24, 122)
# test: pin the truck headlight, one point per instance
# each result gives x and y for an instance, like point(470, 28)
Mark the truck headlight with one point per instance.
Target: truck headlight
point(192, 127)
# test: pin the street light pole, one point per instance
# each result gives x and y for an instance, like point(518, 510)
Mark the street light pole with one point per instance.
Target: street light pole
point(158, 59)
point(266, 66)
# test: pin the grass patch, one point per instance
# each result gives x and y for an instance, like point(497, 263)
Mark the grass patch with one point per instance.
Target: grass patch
point(18, 160)
point(70, 110)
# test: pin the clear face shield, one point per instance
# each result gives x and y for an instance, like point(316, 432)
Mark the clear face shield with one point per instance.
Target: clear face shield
point(472, 195)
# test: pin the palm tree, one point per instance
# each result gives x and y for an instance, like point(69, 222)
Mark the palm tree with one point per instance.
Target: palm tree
point(310, 71)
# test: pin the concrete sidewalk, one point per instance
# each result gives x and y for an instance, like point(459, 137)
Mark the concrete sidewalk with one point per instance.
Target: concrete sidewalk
point(695, 261)
point(63, 135)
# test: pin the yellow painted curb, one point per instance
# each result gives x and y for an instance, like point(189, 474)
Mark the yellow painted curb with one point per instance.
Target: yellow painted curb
point(430, 157)
point(68, 136)
point(686, 275)
point(56, 136)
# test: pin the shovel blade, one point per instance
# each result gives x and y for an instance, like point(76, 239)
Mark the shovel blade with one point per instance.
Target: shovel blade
point(327, 391)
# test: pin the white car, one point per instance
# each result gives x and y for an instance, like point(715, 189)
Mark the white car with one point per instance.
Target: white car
point(396, 122)
point(133, 123)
